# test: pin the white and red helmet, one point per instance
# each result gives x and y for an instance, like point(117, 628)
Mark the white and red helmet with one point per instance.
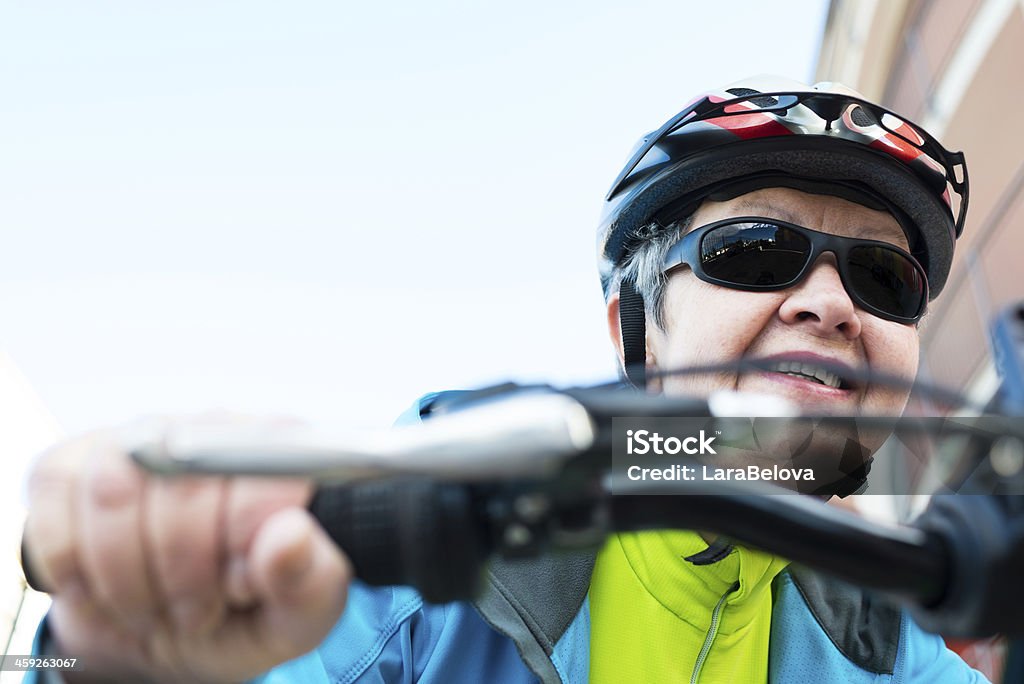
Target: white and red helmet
point(773, 132)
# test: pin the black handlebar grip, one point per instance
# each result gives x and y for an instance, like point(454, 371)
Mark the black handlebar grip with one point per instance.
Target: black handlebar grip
point(421, 533)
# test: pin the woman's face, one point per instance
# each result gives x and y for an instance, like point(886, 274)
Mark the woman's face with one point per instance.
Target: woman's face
point(813, 322)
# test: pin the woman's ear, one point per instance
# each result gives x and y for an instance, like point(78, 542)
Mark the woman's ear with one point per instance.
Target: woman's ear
point(615, 333)
point(615, 327)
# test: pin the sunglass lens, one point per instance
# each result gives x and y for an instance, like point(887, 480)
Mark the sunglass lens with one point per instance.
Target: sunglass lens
point(887, 280)
point(754, 254)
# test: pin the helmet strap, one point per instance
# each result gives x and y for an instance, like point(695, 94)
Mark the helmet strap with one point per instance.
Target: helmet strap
point(633, 328)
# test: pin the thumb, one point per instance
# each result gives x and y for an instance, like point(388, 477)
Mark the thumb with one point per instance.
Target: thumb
point(301, 579)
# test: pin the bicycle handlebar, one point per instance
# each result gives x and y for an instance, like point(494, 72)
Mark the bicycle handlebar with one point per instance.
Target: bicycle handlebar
point(524, 471)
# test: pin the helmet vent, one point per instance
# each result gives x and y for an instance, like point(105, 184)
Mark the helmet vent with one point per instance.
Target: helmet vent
point(862, 117)
point(765, 101)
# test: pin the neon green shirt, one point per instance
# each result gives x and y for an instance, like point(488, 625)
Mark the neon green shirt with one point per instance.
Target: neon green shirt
point(656, 617)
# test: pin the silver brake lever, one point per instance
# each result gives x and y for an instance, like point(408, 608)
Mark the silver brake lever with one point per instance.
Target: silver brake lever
point(530, 434)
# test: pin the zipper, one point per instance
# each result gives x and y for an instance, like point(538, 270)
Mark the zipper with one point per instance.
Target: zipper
point(709, 638)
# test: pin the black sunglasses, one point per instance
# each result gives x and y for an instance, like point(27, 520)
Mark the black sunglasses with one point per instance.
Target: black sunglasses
point(762, 254)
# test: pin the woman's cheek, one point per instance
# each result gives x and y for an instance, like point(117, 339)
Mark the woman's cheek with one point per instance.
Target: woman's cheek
point(892, 349)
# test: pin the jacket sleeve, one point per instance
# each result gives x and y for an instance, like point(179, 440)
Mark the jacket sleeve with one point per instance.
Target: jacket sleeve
point(928, 661)
point(388, 634)
point(41, 647)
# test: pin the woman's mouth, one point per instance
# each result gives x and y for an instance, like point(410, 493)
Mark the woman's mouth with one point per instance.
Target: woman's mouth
point(809, 372)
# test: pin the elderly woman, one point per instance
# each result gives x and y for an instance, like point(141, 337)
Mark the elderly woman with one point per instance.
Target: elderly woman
point(798, 226)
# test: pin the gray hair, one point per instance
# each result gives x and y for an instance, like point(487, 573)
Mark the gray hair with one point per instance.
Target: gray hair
point(644, 265)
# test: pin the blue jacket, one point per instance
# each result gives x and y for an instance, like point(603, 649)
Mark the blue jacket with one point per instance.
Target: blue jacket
point(512, 636)
point(390, 635)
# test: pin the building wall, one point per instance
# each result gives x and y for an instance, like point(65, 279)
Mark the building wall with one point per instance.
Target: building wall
point(952, 66)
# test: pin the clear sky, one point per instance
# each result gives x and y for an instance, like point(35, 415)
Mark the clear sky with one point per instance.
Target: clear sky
point(328, 208)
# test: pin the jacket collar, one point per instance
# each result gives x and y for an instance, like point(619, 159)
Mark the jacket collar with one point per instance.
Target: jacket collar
point(534, 601)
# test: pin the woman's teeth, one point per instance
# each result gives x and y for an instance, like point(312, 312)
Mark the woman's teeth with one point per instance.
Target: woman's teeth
point(808, 371)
